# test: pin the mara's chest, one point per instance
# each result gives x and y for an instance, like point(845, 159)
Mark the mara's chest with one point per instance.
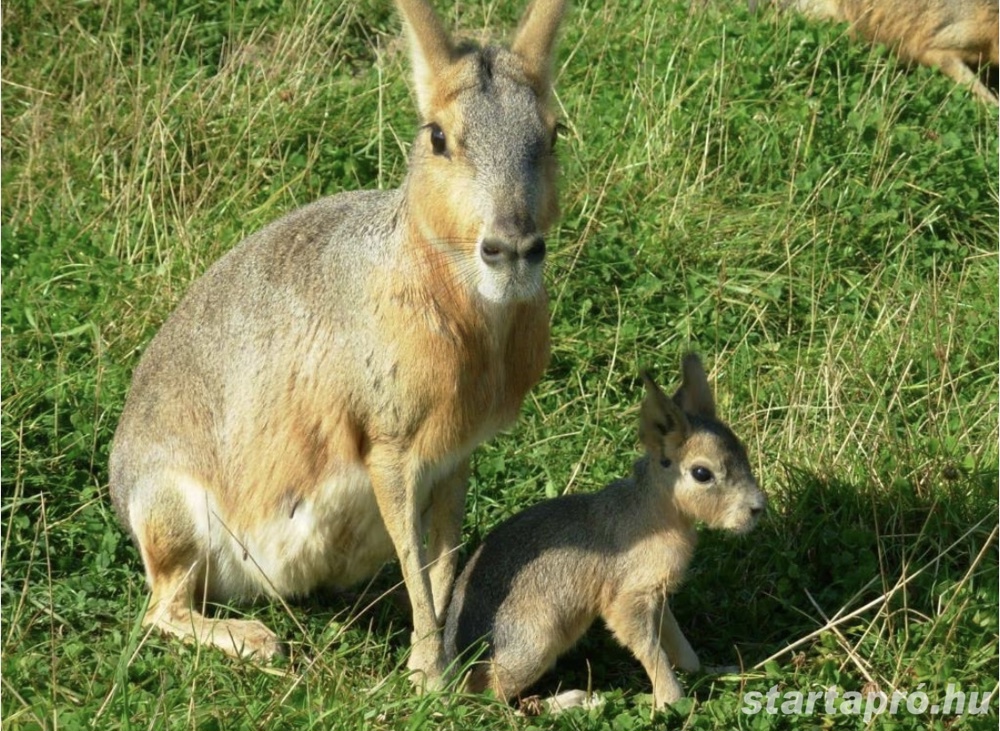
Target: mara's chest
point(449, 382)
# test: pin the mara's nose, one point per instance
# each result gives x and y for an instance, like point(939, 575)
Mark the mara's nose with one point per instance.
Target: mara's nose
point(496, 252)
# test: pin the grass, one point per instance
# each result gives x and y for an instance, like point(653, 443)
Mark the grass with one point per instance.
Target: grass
point(820, 223)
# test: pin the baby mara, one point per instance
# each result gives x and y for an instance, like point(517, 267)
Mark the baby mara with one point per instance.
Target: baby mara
point(538, 581)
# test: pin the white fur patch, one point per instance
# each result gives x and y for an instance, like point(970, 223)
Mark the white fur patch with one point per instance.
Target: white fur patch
point(335, 536)
point(508, 283)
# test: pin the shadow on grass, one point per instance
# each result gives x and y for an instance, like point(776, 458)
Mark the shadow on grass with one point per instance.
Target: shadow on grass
point(836, 544)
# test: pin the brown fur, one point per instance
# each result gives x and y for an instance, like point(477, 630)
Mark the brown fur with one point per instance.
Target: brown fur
point(956, 36)
point(309, 409)
point(542, 577)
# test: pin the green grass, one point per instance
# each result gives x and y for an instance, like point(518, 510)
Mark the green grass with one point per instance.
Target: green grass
point(818, 222)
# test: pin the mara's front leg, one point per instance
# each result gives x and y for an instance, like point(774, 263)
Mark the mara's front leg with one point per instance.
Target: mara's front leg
point(444, 522)
point(635, 621)
point(681, 654)
point(395, 490)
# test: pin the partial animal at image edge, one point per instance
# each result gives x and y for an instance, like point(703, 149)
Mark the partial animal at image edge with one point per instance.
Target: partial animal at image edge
point(959, 37)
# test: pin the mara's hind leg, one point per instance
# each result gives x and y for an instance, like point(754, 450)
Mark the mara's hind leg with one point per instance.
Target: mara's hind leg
point(175, 550)
point(171, 611)
point(524, 658)
point(508, 681)
point(507, 673)
point(952, 66)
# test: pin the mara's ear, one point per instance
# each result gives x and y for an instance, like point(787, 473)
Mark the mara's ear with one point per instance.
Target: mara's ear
point(431, 49)
point(695, 395)
point(535, 40)
point(663, 428)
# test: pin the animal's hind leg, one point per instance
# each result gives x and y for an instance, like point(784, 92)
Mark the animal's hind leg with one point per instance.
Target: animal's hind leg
point(955, 68)
point(509, 676)
point(176, 560)
point(171, 611)
point(525, 654)
point(510, 667)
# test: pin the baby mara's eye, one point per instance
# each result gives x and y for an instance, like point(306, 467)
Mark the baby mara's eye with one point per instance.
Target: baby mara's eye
point(702, 474)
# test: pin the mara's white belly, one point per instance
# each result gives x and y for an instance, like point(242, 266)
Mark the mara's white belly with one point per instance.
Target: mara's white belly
point(334, 538)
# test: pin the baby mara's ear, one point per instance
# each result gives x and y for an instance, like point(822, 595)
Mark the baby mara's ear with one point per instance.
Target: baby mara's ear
point(695, 395)
point(663, 427)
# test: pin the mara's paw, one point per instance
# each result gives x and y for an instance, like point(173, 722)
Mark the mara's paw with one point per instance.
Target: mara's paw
point(426, 665)
point(668, 695)
point(534, 705)
point(424, 681)
point(687, 660)
point(721, 670)
point(573, 699)
point(246, 638)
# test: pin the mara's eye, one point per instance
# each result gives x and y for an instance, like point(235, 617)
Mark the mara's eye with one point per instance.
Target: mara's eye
point(702, 474)
point(438, 142)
